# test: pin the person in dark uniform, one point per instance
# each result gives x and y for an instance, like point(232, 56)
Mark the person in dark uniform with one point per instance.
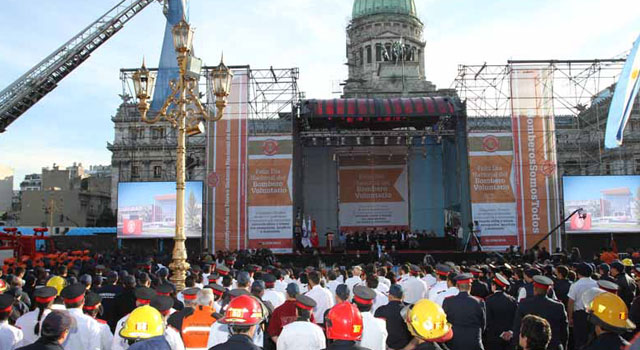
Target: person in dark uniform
point(124, 302)
point(169, 291)
point(561, 285)
point(108, 293)
point(551, 310)
point(428, 323)
point(399, 335)
point(55, 329)
point(343, 323)
point(626, 285)
point(501, 309)
point(243, 314)
point(467, 315)
point(478, 288)
point(604, 270)
point(608, 313)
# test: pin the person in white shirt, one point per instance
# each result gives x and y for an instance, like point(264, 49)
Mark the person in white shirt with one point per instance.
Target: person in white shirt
point(322, 297)
point(281, 285)
point(86, 334)
point(333, 282)
point(414, 288)
point(164, 305)
point(381, 299)
point(451, 290)
point(428, 278)
point(442, 271)
point(576, 313)
point(355, 279)
point(31, 322)
point(383, 282)
point(10, 336)
point(302, 334)
point(271, 295)
point(374, 330)
point(91, 308)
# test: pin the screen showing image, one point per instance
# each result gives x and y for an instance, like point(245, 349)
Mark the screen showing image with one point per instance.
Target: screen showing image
point(148, 209)
point(610, 203)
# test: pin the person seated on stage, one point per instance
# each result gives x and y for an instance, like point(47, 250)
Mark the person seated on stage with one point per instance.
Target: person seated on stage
point(413, 241)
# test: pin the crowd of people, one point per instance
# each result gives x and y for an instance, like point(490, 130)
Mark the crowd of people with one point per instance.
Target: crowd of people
point(250, 300)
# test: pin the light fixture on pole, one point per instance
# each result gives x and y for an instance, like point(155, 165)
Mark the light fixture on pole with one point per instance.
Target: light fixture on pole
point(188, 121)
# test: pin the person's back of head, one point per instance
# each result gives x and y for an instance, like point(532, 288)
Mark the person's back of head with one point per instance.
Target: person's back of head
point(205, 297)
point(314, 277)
point(129, 282)
point(190, 281)
point(535, 333)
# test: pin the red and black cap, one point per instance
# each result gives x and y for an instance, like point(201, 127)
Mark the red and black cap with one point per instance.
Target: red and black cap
point(45, 295)
point(6, 303)
point(363, 295)
point(213, 277)
point(464, 278)
point(92, 301)
point(144, 295)
point(234, 293)
point(190, 294)
point(608, 286)
point(74, 293)
point(164, 289)
point(304, 302)
point(500, 280)
point(162, 303)
point(475, 272)
point(414, 270)
point(218, 289)
point(222, 270)
point(269, 280)
point(542, 282)
point(443, 270)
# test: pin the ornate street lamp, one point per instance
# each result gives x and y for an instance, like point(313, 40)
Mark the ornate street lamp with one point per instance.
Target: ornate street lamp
point(188, 121)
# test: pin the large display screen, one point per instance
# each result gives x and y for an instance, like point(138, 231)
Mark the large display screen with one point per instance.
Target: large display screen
point(610, 203)
point(148, 209)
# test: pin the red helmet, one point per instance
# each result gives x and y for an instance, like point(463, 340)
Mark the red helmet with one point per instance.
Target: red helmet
point(244, 310)
point(344, 322)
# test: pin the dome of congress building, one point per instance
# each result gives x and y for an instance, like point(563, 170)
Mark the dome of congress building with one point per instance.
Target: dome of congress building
point(363, 8)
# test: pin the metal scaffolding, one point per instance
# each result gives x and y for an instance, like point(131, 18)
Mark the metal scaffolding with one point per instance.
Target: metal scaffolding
point(582, 91)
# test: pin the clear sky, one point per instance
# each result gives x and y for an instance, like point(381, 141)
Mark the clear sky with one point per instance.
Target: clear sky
point(72, 124)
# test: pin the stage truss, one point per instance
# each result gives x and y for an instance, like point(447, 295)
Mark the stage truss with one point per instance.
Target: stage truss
point(581, 95)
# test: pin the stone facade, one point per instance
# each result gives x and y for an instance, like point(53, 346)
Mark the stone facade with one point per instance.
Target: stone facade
point(386, 51)
point(147, 152)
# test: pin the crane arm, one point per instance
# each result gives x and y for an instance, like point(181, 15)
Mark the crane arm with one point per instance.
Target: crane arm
point(27, 90)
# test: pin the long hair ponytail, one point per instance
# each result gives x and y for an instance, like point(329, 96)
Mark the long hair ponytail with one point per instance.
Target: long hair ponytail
point(41, 307)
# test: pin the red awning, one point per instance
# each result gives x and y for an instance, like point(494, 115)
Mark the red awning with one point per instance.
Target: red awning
point(414, 107)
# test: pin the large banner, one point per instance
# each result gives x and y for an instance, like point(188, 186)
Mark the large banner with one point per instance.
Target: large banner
point(148, 209)
point(493, 190)
point(533, 128)
point(373, 193)
point(270, 193)
point(227, 169)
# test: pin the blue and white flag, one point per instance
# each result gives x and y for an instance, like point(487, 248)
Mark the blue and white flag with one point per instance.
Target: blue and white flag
point(623, 98)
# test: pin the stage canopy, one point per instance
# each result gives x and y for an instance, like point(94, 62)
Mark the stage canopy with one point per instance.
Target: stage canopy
point(419, 112)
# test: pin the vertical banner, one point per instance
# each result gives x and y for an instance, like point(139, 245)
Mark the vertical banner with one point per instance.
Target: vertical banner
point(270, 193)
point(533, 128)
point(373, 193)
point(227, 177)
point(493, 190)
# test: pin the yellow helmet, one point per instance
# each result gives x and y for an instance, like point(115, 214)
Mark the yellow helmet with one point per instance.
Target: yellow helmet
point(143, 323)
point(57, 282)
point(426, 320)
point(609, 311)
point(627, 262)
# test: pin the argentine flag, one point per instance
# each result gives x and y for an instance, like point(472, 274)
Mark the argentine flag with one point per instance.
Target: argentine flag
point(623, 98)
